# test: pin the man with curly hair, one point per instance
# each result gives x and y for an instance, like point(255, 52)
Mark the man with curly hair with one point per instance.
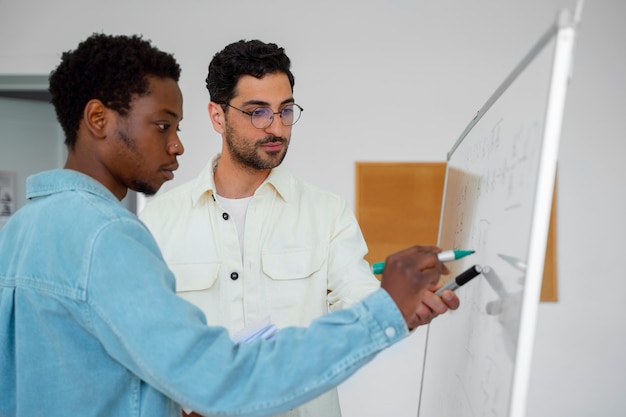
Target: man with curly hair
point(247, 240)
point(90, 323)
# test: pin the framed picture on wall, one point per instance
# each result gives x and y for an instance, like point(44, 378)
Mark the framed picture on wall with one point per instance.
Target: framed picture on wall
point(7, 196)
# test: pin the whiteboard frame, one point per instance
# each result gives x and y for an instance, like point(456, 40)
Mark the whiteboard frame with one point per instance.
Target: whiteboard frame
point(564, 29)
point(561, 73)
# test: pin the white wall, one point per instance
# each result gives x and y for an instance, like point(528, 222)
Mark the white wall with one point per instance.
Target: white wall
point(398, 80)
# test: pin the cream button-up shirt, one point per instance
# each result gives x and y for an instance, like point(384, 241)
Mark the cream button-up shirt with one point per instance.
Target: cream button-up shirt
point(302, 256)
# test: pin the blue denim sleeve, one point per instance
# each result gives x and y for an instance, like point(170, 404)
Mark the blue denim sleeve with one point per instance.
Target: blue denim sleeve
point(142, 323)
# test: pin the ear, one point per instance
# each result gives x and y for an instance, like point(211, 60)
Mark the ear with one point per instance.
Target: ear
point(216, 114)
point(95, 118)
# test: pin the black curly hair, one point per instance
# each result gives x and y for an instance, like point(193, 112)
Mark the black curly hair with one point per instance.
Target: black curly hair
point(109, 68)
point(255, 58)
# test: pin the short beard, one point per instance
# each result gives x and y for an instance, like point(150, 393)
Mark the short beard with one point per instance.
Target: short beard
point(136, 185)
point(248, 157)
point(144, 188)
point(130, 144)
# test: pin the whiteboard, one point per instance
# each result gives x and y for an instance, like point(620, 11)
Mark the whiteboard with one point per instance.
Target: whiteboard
point(497, 201)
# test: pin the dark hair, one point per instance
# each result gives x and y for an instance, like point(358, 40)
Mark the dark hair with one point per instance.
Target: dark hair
point(109, 68)
point(253, 58)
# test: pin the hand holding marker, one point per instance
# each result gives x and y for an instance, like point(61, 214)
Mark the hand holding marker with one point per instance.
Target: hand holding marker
point(447, 256)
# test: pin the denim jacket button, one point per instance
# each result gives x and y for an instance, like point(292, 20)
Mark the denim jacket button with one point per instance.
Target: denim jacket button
point(234, 276)
point(390, 332)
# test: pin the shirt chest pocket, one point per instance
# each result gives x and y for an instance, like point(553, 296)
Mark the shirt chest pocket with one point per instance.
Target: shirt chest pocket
point(195, 276)
point(290, 264)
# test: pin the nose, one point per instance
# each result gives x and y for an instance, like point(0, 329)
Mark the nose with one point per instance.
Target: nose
point(176, 147)
point(276, 127)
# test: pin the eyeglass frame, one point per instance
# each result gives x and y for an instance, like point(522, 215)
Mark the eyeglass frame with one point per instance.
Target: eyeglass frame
point(248, 113)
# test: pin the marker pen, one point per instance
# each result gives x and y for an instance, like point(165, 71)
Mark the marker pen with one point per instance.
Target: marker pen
point(446, 256)
point(463, 278)
point(453, 255)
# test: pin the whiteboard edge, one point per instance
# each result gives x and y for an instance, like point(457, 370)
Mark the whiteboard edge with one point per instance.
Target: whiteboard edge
point(543, 204)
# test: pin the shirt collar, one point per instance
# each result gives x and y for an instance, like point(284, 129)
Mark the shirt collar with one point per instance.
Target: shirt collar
point(60, 180)
point(279, 180)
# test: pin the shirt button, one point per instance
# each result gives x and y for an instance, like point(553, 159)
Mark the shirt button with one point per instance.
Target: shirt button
point(390, 332)
point(225, 216)
point(234, 276)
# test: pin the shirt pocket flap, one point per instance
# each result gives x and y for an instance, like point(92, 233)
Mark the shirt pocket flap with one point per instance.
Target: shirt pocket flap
point(195, 276)
point(292, 263)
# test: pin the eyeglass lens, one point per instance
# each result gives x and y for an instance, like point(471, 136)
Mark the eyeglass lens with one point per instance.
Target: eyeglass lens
point(262, 117)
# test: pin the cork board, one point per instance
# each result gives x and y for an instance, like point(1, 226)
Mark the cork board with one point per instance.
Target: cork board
point(398, 204)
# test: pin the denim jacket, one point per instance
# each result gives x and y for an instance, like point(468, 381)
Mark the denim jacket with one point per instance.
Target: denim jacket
point(90, 323)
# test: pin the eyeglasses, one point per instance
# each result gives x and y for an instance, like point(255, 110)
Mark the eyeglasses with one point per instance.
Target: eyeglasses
point(262, 117)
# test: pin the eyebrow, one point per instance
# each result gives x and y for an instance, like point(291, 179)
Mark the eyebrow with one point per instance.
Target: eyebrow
point(173, 114)
point(289, 100)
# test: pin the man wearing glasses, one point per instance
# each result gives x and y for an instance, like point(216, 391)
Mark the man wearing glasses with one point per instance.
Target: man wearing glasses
point(249, 242)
